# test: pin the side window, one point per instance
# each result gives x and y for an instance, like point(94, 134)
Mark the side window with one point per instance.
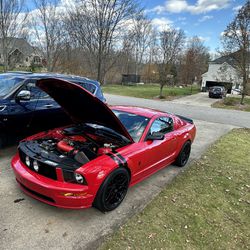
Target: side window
point(36, 93)
point(162, 125)
point(88, 86)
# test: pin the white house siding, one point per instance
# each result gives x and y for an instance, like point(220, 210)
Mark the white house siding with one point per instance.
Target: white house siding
point(221, 73)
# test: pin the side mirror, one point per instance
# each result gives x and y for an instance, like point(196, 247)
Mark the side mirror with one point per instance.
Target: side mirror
point(23, 95)
point(155, 136)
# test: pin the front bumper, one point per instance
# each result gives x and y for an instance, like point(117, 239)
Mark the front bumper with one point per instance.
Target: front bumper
point(55, 193)
point(215, 95)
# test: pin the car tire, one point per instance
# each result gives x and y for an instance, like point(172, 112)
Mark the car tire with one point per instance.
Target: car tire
point(112, 191)
point(184, 154)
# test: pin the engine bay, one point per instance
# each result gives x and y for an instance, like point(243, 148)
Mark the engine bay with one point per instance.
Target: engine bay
point(71, 147)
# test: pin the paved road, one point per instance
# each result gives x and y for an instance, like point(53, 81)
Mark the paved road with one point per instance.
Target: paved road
point(200, 99)
point(30, 224)
point(222, 116)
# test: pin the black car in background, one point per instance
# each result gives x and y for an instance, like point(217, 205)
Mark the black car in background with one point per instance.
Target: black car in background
point(25, 109)
point(217, 92)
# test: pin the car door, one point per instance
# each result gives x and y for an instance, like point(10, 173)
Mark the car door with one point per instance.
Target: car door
point(38, 113)
point(47, 113)
point(157, 153)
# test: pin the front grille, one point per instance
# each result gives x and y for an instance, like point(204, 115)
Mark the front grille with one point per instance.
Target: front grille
point(44, 169)
point(44, 197)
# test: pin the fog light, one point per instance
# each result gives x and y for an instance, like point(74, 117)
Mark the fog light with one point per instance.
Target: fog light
point(27, 161)
point(74, 195)
point(35, 166)
point(79, 178)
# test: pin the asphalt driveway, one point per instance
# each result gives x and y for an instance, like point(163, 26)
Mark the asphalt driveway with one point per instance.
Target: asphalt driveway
point(30, 224)
point(203, 113)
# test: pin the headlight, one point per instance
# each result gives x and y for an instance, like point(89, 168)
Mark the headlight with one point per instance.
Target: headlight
point(79, 178)
point(27, 161)
point(35, 166)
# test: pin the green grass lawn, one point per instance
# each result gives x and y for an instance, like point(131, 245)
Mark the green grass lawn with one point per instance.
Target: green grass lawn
point(149, 91)
point(206, 207)
point(233, 103)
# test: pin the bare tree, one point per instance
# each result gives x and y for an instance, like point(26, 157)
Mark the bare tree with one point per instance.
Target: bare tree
point(236, 42)
point(49, 31)
point(97, 25)
point(141, 38)
point(171, 43)
point(194, 61)
point(12, 22)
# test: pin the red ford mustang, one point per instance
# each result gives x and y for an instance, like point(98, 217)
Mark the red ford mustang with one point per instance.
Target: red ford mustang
point(105, 151)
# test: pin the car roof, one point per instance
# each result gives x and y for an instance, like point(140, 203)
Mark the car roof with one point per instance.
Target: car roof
point(31, 75)
point(147, 112)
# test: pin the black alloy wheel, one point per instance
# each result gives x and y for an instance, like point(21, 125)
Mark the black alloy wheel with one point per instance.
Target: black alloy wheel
point(184, 154)
point(113, 190)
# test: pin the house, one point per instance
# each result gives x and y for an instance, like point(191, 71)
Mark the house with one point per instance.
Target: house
point(20, 53)
point(222, 72)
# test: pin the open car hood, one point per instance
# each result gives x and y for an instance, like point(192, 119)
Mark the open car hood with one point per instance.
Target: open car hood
point(81, 105)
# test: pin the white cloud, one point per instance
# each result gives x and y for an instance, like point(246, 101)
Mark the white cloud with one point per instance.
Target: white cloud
point(162, 23)
point(205, 18)
point(204, 39)
point(176, 6)
point(201, 6)
point(237, 8)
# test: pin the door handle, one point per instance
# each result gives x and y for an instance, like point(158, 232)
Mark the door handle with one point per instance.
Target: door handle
point(49, 106)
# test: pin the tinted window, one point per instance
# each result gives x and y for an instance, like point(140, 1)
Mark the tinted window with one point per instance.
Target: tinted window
point(36, 93)
point(135, 124)
point(217, 89)
point(7, 84)
point(162, 125)
point(88, 86)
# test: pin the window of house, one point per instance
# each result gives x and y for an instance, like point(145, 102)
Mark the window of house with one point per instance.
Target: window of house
point(37, 59)
point(162, 125)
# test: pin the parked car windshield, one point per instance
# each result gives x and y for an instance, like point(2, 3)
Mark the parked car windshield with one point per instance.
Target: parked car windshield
point(217, 89)
point(135, 124)
point(7, 84)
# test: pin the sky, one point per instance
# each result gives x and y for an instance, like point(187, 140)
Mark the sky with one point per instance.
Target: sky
point(206, 19)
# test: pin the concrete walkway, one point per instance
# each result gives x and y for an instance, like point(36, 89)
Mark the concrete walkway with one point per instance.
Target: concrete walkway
point(200, 99)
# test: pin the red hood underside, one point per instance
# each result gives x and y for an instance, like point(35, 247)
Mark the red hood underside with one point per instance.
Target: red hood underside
point(81, 105)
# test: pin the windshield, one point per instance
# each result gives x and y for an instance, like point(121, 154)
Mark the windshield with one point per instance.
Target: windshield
point(135, 124)
point(216, 89)
point(7, 84)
